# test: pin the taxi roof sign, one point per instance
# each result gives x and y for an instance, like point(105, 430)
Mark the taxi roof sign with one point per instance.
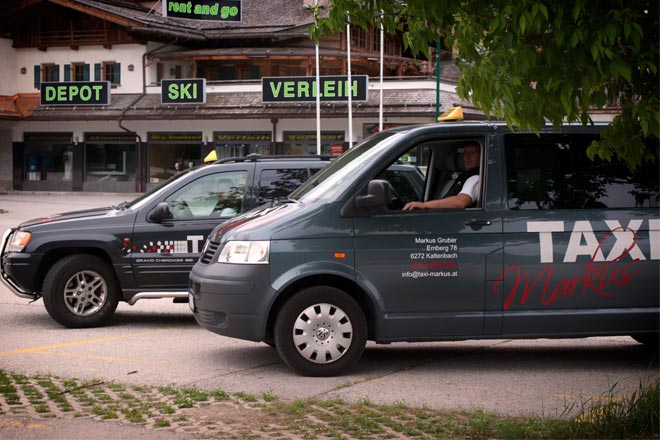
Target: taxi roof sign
point(451, 114)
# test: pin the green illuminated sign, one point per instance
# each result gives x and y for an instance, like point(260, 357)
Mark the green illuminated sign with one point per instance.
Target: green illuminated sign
point(303, 88)
point(75, 93)
point(215, 10)
point(183, 91)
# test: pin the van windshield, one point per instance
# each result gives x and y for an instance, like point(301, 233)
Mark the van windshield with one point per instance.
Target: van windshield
point(334, 178)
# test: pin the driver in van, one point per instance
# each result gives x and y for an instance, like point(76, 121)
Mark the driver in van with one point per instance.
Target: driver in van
point(465, 190)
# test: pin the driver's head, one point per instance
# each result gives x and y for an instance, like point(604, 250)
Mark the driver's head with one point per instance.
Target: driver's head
point(224, 186)
point(471, 155)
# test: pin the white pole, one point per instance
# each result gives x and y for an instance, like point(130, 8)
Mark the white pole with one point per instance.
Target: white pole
point(318, 98)
point(350, 83)
point(318, 103)
point(382, 46)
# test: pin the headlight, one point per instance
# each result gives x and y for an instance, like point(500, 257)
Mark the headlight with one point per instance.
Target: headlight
point(18, 241)
point(245, 252)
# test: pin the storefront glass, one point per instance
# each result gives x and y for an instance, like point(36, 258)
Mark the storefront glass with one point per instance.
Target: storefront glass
point(303, 142)
point(238, 144)
point(170, 153)
point(110, 162)
point(48, 162)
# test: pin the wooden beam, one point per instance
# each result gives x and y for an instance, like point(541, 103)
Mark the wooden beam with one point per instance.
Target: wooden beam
point(113, 18)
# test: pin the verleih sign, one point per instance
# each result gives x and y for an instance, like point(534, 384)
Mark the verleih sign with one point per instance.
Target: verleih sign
point(214, 10)
point(75, 93)
point(303, 88)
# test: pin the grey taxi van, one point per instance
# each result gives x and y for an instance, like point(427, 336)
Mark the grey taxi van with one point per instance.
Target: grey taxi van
point(555, 245)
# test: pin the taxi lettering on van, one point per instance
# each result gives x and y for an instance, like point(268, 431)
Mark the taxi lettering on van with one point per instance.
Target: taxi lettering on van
point(601, 279)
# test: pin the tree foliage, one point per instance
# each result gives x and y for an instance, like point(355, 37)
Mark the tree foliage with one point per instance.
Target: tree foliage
point(532, 61)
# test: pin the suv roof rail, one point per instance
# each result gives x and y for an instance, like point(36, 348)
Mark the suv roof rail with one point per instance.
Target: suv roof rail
point(254, 157)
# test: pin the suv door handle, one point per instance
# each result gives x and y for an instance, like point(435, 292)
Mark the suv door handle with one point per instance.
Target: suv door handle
point(474, 221)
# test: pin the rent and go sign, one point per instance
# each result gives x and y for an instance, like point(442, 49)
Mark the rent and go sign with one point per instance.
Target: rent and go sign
point(75, 93)
point(216, 10)
point(303, 88)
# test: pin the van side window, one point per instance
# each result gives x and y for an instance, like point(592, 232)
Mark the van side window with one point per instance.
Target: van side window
point(553, 172)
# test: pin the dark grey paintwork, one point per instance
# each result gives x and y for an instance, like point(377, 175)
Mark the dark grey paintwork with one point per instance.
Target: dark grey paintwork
point(496, 286)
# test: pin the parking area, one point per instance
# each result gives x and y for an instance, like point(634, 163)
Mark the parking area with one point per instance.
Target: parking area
point(157, 342)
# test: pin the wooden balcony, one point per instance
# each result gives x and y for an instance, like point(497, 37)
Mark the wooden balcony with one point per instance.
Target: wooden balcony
point(73, 38)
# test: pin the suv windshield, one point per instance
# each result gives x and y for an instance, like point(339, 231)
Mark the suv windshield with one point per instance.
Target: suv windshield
point(335, 177)
point(140, 201)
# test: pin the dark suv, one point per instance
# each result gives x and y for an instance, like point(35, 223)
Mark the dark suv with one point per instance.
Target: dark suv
point(83, 263)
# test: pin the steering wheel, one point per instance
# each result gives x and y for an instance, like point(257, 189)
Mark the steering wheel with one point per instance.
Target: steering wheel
point(180, 209)
point(397, 201)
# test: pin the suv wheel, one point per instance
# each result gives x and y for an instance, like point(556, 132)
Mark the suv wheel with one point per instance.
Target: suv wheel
point(321, 331)
point(80, 291)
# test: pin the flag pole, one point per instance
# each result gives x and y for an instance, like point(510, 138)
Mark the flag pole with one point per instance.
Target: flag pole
point(382, 45)
point(318, 95)
point(350, 82)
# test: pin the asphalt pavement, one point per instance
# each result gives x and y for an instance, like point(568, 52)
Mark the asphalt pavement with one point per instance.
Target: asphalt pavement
point(16, 207)
point(158, 343)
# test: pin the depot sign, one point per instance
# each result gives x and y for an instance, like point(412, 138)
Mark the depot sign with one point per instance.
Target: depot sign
point(75, 93)
point(303, 88)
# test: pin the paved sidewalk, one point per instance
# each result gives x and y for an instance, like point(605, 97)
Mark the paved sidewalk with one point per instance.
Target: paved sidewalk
point(18, 206)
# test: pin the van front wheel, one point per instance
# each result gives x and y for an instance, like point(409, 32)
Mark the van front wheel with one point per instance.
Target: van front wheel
point(320, 331)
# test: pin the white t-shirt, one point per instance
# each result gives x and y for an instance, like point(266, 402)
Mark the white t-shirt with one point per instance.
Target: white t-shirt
point(471, 188)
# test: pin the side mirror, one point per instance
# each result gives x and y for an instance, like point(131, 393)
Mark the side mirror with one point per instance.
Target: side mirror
point(160, 213)
point(379, 195)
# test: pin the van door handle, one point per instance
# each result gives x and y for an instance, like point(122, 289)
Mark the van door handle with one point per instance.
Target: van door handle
point(474, 221)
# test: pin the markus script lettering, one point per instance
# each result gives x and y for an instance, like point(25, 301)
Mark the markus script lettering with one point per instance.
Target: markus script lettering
point(598, 278)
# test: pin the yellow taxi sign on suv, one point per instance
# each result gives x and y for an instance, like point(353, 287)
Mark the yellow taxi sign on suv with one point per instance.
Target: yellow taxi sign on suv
point(451, 114)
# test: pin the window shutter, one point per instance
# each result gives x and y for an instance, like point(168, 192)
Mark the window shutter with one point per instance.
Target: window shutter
point(56, 72)
point(97, 72)
point(67, 72)
point(86, 72)
point(37, 77)
point(116, 74)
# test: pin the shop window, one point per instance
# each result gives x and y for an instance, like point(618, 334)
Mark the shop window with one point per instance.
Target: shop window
point(108, 71)
point(51, 162)
point(359, 38)
point(165, 160)
point(46, 73)
point(109, 162)
point(76, 72)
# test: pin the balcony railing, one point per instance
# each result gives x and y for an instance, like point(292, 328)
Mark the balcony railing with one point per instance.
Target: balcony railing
point(71, 38)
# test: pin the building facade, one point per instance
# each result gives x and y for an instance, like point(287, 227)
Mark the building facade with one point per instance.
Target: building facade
point(137, 140)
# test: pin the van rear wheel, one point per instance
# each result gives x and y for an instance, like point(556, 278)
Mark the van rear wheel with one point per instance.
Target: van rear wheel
point(320, 331)
point(80, 291)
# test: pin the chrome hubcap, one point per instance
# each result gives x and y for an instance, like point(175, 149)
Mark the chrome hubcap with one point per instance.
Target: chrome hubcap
point(322, 333)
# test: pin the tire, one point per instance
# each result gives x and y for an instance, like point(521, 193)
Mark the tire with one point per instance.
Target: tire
point(69, 297)
point(338, 336)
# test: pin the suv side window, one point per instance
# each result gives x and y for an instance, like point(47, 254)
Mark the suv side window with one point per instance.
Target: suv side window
point(553, 172)
point(213, 195)
point(276, 184)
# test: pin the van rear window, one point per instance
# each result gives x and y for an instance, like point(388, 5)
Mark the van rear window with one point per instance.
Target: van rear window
point(553, 172)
